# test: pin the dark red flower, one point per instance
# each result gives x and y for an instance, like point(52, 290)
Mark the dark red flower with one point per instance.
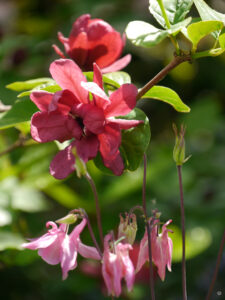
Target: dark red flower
point(71, 114)
point(94, 40)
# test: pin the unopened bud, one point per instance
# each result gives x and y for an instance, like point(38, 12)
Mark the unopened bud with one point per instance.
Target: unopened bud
point(68, 219)
point(128, 228)
point(179, 148)
point(80, 164)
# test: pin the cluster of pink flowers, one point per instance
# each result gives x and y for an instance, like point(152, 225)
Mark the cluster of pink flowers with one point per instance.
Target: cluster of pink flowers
point(57, 246)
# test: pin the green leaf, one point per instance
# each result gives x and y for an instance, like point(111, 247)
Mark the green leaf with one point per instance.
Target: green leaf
point(20, 112)
point(50, 87)
point(208, 14)
point(175, 29)
point(222, 40)
point(29, 84)
point(100, 165)
point(5, 217)
point(143, 34)
point(176, 10)
point(198, 240)
point(106, 80)
point(167, 95)
point(119, 77)
point(135, 140)
point(199, 30)
point(9, 240)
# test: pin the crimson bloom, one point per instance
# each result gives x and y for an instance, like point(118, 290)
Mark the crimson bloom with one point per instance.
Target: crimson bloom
point(72, 114)
point(57, 246)
point(94, 40)
point(161, 250)
point(117, 265)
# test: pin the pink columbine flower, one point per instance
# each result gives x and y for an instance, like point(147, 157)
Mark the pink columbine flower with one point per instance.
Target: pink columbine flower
point(162, 247)
point(117, 265)
point(94, 40)
point(72, 114)
point(56, 246)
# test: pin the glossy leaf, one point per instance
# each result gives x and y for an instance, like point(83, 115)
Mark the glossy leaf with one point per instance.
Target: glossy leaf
point(167, 95)
point(207, 13)
point(199, 30)
point(19, 86)
point(135, 140)
point(20, 112)
point(143, 34)
point(106, 80)
point(176, 10)
point(222, 40)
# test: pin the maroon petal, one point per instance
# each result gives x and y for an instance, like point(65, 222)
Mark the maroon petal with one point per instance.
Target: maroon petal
point(78, 48)
point(41, 99)
point(80, 25)
point(104, 47)
point(122, 100)
point(115, 164)
point(63, 163)
point(69, 77)
point(63, 101)
point(58, 51)
point(126, 124)
point(87, 147)
point(118, 64)
point(46, 127)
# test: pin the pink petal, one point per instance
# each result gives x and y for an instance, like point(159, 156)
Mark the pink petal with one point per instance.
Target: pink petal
point(93, 88)
point(126, 124)
point(122, 100)
point(58, 51)
point(80, 25)
point(68, 256)
point(41, 242)
point(97, 75)
point(69, 76)
point(52, 253)
point(88, 252)
point(63, 164)
point(143, 252)
point(74, 235)
point(87, 147)
point(41, 99)
point(118, 64)
point(93, 118)
point(46, 127)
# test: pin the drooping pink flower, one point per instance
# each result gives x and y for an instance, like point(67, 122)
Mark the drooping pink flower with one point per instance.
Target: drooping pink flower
point(94, 40)
point(56, 246)
point(93, 123)
point(161, 250)
point(116, 265)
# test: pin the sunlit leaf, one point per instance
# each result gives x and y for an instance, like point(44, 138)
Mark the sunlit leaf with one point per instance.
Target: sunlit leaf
point(51, 87)
point(143, 34)
point(199, 30)
point(119, 77)
point(198, 240)
point(176, 10)
point(20, 112)
point(207, 13)
point(222, 40)
point(167, 95)
point(28, 199)
point(106, 80)
point(28, 84)
point(9, 240)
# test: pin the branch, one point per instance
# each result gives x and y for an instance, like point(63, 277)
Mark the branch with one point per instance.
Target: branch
point(173, 64)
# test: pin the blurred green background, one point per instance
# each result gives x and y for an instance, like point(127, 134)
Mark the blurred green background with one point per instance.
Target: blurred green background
point(29, 196)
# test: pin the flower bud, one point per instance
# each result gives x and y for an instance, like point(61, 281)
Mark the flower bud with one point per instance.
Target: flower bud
point(128, 228)
point(179, 148)
point(68, 219)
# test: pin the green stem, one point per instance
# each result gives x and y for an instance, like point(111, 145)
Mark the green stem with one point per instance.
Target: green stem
point(184, 285)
